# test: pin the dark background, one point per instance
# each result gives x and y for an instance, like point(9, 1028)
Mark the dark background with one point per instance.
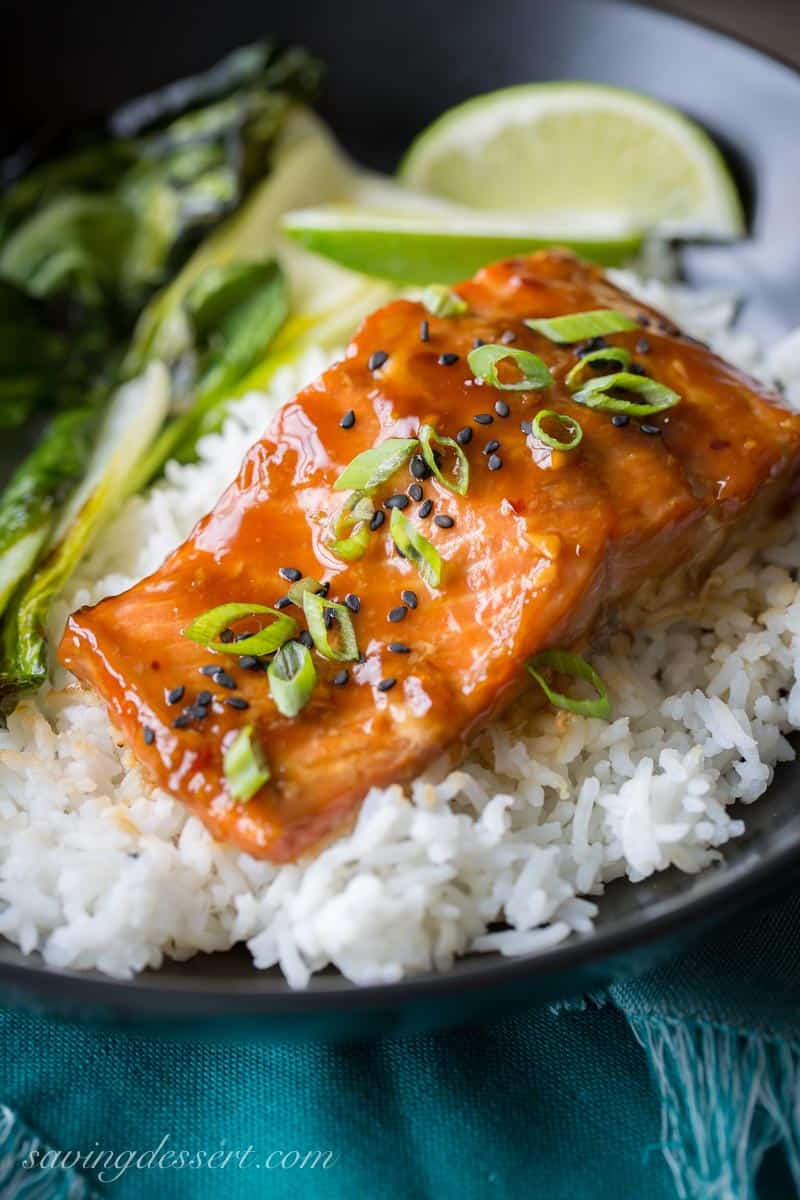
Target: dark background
point(772, 24)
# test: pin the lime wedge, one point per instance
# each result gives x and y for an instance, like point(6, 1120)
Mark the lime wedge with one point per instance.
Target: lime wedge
point(442, 246)
point(578, 151)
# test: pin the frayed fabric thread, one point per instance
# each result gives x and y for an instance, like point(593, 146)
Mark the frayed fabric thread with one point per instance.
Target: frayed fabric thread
point(17, 1182)
point(726, 1098)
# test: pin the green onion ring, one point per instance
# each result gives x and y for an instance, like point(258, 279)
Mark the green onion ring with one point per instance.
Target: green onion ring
point(441, 301)
point(373, 467)
point(206, 628)
point(306, 584)
point(246, 770)
point(571, 664)
point(416, 548)
point(615, 354)
point(554, 443)
point(315, 608)
point(576, 327)
point(658, 398)
point(354, 515)
point(460, 481)
point(292, 677)
point(483, 364)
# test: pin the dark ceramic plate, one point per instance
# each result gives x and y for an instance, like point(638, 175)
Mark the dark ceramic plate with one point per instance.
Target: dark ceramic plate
point(393, 67)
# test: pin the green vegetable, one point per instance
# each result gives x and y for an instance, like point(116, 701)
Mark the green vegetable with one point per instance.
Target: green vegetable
point(353, 520)
point(292, 678)
point(570, 664)
point(206, 629)
point(373, 467)
point(316, 608)
point(430, 443)
point(246, 769)
point(597, 394)
point(484, 360)
point(416, 548)
point(98, 480)
point(612, 354)
point(573, 428)
point(577, 326)
point(306, 584)
point(441, 301)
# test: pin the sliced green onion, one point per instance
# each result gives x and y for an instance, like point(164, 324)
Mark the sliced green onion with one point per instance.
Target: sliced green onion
point(205, 630)
point(429, 441)
point(615, 354)
point(577, 326)
point(596, 394)
point(572, 427)
point(291, 677)
point(416, 548)
point(483, 364)
point(315, 608)
point(373, 467)
point(298, 590)
point(441, 301)
point(354, 515)
point(246, 769)
point(571, 664)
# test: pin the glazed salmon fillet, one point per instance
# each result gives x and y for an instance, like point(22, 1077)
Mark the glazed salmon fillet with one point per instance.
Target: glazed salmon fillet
point(547, 549)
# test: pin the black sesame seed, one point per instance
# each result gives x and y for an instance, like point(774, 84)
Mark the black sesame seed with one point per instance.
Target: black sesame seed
point(637, 369)
point(377, 359)
point(399, 648)
point(620, 420)
point(353, 601)
point(419, 468)
point(399, 500)
point(328, 618)
point(526, 427)
point(226, 636)
point(448, 360)
point(397, 614)
point(643, 346)
point(409, 598)
point(464, 436)
point(386, 685)
point(501, 408)
point(175, 695)
point(495, 462)
point(646, 427)
point(223, 679)
point(376, 520)
point(290, 573)
point(211, 669)
point(326, 587)
point(341, 678)
point(476, 345)
point(249, 662)
point(668, 327)
point(204, 698)
point(491, 446)
point(483, 418)
point(149, 736)
point(643, 320)
point(197, 712)
point(424, 332)
point(443, 521)
point(284, 602)
point(305, 639)
point(426, 508)
point(181, 722)
point(589, 347)
point(238, 702)
point(348, 420)
point(416, 492)
point(507, 337)
point(242, 637)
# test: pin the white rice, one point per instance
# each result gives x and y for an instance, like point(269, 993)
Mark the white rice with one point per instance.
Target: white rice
point(99, 870)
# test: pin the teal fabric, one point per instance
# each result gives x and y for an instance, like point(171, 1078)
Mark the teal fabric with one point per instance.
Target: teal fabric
point(681, 1083)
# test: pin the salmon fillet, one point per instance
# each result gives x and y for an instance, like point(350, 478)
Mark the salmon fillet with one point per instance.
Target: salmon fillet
point(545, 549)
